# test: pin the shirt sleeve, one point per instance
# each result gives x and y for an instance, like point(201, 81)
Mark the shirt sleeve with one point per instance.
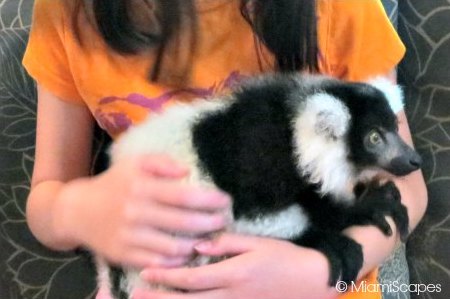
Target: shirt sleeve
point(46, 56)
point(357, 40)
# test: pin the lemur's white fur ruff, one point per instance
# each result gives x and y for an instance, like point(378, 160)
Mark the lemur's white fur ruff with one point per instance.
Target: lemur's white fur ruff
point(393, 92)
point(321, 150)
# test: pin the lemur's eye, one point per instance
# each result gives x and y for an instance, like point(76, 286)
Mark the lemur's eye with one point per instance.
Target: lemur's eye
point(375, 137)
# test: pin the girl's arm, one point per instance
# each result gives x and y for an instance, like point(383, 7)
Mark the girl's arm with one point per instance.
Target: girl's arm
point(63, 153)
point(123, 213)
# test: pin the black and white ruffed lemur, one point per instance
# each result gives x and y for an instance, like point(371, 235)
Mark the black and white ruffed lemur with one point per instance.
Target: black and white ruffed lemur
point(298, 154)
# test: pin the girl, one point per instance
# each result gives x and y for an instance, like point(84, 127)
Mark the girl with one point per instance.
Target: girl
point(118, 61)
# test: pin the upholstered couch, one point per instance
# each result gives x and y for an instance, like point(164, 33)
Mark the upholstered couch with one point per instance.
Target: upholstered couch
point(425, 72)
point(28, 270)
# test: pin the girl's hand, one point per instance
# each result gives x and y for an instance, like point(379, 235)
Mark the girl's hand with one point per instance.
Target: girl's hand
point(259, 268)
point(129, 213)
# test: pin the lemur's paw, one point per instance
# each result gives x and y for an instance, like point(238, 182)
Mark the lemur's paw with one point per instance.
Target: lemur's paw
point(379, 220)
point(391, 191)
point(379, 201)
point(392, 206)
point(401, 220)
point(344, 255)
point(351, 259)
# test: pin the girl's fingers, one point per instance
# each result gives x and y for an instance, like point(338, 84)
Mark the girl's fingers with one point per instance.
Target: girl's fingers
point(153, 294)
point(141, 258)
point(168, 218)
point(161, 165)
point(170, 192)
point(227, 244)
point(208, 277)
point(160, 242)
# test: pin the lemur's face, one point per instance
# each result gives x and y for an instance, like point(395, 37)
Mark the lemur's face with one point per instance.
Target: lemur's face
point(356, 122)
point(375, 138)
point(390, 152)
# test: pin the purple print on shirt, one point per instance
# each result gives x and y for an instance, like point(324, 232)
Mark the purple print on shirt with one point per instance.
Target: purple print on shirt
point(116, 122)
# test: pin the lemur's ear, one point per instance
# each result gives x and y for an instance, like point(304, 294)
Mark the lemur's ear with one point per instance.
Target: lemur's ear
point(392, 91)
point(328, 115)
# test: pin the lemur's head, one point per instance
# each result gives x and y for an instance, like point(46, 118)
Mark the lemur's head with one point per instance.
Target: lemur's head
point(372, 134)
point(348, 132)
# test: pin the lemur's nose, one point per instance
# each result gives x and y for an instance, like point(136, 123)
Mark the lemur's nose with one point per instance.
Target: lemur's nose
point(415, 161)
point(404, 164)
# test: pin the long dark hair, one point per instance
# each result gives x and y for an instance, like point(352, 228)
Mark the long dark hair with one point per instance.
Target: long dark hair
point(286, 27)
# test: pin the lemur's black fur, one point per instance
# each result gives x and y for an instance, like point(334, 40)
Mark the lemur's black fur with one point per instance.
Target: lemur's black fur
point(250, 154)
point(115, 276)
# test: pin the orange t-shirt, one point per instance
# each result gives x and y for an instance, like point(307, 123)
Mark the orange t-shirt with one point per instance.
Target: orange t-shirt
point(356, 41)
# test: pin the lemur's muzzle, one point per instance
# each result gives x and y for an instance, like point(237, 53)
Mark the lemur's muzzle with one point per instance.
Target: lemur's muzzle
point(402, 159)
point(406, 164)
